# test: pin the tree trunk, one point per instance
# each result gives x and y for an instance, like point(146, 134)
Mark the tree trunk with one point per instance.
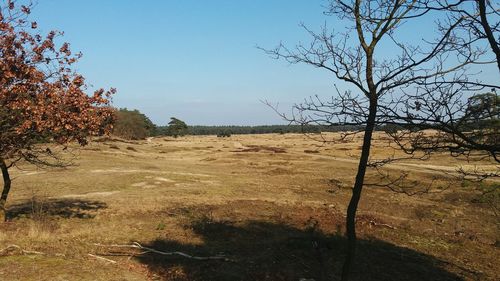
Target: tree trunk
point(356, 192)
point(6, 189)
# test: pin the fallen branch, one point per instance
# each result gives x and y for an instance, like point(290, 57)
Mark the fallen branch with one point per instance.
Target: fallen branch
point(382, 224)
point(102, 258)
point(16, 247)
point(136, 245)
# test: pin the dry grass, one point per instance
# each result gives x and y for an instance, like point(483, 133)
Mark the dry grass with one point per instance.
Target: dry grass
point(264, 200)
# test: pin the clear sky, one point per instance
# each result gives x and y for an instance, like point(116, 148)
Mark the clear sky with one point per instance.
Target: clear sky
point(193, 59)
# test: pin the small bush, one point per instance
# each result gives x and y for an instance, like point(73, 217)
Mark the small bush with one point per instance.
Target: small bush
point(224, 134)
point(161, 226)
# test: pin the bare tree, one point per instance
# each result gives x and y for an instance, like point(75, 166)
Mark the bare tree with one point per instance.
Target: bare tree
point(465, 120)
point(490, 30)
point(418, 87)
point(479, 19)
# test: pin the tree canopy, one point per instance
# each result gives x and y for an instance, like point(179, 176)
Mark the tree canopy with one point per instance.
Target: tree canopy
point(176, 127)
point(41, 97)
point(133, 125)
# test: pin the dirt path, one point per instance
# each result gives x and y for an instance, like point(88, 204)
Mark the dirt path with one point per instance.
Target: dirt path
point(423, 168)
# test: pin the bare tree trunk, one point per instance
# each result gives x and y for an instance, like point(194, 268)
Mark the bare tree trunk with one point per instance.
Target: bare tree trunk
point(356, 192)
point(6, 189)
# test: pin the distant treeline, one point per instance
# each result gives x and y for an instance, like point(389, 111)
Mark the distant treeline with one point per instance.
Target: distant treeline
point(263, 129)
point(132, 124)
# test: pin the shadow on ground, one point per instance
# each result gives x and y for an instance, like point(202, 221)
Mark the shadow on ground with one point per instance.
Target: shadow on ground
point(64, 208)
point(266, 251)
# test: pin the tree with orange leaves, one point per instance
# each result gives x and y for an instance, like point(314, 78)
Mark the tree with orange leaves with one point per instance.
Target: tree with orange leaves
point(42, 100)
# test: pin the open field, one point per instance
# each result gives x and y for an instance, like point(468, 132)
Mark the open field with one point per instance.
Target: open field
point(272, 204)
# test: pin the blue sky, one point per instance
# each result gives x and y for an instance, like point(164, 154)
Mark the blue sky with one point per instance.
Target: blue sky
point(192, 59)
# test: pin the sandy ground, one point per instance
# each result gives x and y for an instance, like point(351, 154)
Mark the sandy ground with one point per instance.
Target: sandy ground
point(205, 195)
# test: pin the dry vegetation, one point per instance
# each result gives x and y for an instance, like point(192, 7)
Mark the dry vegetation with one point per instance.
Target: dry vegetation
point(273, 205)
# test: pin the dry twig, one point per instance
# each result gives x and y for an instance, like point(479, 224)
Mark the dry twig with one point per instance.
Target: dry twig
point(16, 247)
point(102, 258)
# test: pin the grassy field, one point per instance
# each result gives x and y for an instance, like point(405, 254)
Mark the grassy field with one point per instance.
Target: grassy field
point(273, 205)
